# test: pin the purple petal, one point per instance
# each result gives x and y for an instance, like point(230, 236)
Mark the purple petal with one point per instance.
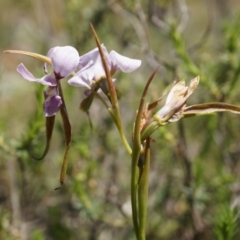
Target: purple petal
point(48, 80)
point(94, 56)
point(86, 58)
point(84, 77)
point(125, 64)
point(81, 80)
point(64, 60)
point(52, 101)
point(52, 106)
point(50, 52)
point(87, 92)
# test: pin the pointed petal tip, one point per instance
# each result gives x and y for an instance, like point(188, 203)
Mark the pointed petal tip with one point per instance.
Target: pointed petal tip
point(48, 80)
point(31, 54)
point(123, 63)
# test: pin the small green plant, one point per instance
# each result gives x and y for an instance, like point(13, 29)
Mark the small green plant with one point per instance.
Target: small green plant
point(226, 222)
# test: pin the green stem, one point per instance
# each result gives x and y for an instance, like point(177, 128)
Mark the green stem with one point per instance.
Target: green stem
point(117, 120)
point(143, 192)
point(149, 129)
point(113, 94)
point(135, 158)
point(134, 187)
point(124, 140)
point(118, 123)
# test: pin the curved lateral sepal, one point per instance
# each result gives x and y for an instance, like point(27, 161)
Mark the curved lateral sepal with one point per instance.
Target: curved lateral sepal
point(67, 134)
point(49, 122)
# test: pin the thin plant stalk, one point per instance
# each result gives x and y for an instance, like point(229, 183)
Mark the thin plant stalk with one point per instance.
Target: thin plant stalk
point(143, 191)
point(137, 148)
point(113, 95)
point(67, 134)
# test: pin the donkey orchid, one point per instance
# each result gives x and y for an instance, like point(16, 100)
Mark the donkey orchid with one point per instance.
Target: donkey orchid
point(91, 69)
point(173, 109)
point(64, 62)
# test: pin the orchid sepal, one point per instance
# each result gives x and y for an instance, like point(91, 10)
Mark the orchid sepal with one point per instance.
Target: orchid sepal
point(31, 54)
point(209, 108)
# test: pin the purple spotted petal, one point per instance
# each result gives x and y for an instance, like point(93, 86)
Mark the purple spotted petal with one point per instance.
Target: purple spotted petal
point(125, 64)
point(48, 80)
point(64, 60)
point(52, 106)
point(52, 101)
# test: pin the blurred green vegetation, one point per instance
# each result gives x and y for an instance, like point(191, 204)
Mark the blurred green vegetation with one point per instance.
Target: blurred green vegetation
point(194, 190)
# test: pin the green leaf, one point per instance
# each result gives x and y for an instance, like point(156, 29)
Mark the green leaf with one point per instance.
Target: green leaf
point(87, 102)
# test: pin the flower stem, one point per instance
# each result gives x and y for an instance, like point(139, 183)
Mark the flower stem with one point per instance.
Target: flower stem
point(134, 188)
point(113, 94)
point(124, 140)
point(117, 120)
point(136, 152)
point(143, 191)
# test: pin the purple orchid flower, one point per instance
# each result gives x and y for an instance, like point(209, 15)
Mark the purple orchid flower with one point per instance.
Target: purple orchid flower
point(91, 69)
point(64, 61)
